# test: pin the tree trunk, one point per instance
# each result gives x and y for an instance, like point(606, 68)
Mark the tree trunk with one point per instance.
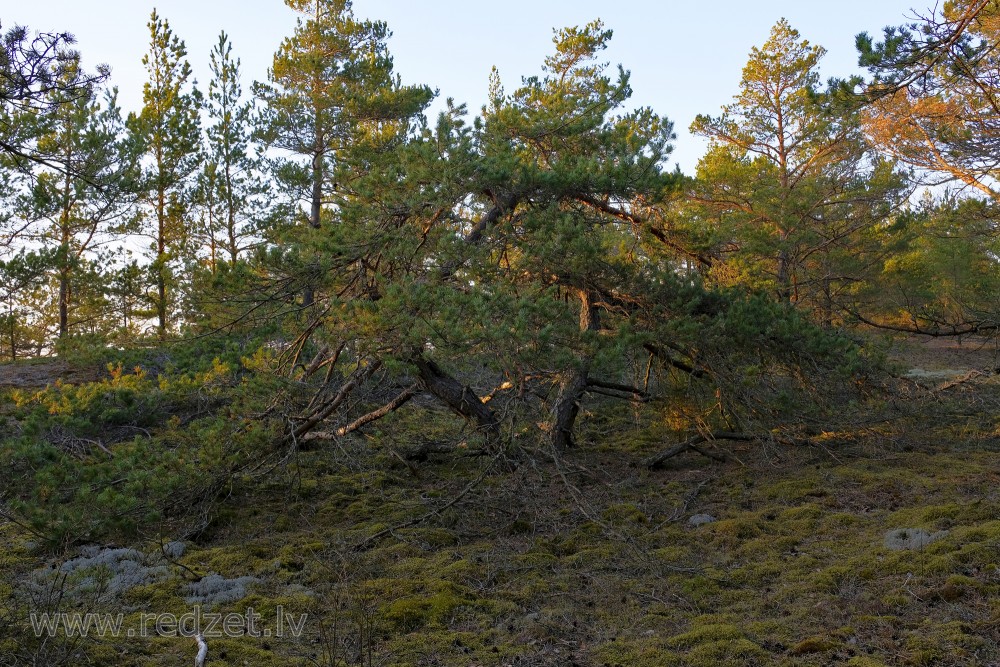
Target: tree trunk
point(13, 335)
point(63, 301)
point(234, 250)
point(316, 201)
point(574, 384)
point(64, 250)
point(566, 408)
point(461, 399)
point(161, 248)
point(784, 277)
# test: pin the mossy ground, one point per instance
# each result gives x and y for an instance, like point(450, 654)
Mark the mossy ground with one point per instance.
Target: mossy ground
point(588, 559)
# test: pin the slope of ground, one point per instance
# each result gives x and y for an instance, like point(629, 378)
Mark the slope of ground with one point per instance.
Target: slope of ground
point(873, 545)
point(36, 373)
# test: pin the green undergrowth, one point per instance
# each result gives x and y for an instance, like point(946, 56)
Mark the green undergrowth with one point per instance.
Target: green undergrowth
point(585, 559)
point(594, 562)
point(129, 456)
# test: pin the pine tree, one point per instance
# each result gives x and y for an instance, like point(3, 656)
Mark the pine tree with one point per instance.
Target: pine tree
point(230, 186)
point(331, 88)
point(789, 179)
point(564, 174)
point(83, 190)
point(37, 74)
point(22, 281)
point(935, 92)
point(167, 131)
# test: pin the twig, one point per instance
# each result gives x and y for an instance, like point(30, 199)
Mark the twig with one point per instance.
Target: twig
point(685, 503)
point(365, 543)
point(691, 444)
point(968, 377)
point(389, 407)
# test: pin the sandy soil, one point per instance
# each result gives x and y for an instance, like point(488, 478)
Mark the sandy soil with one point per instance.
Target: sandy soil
point(947, 354)
point(37, 373)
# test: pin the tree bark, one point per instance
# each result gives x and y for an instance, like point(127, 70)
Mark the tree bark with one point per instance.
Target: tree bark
point(161, 244)
point(567, 404)
point(64, 296)
point(566, 409)
point(362, 373)
point(691, 444)
point(460, 398)
point(64, 250)
point(784, 277)
point(393, 405)
point(316, 194)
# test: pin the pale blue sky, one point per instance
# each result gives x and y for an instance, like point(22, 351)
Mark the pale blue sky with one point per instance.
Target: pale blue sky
point(685, 56)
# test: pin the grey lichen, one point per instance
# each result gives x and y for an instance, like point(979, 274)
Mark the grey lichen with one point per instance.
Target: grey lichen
point(215, 589)
point(108, 571)
point(910, 538)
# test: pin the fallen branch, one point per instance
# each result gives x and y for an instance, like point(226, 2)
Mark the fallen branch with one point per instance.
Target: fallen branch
point(635, 392)
point(968, 377)
point(691, 444)
point(389, 407)
point(462, 400)
point(362, 373)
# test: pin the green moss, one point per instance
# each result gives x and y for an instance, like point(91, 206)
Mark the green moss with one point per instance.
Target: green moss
point(432, 538)
point(624, 514)
point(461, 571)
point(796, 554)
point(896, 600)
point(701, 634)
point(445, 647)
point(307, 488)
point(833, 579)
point(817, 644)
point(804, 516)
point(842, 520)
point(407, 614)
point(937, 641)
point(443, 604)
point(225, 652)
point(164, 597)
point(672, 554)
point(592, 556)
point(412, 613)
point(239, 560)
point(942, 517)
point(729, 533)
point(626, 653)
point(534, 559)
point(700, 589)
point(794, 490)
point(734, 653)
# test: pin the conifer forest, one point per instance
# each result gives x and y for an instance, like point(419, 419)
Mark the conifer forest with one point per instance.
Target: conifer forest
point(299, 372)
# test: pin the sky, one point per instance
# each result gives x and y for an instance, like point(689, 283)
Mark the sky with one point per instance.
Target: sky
point(685, 57)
